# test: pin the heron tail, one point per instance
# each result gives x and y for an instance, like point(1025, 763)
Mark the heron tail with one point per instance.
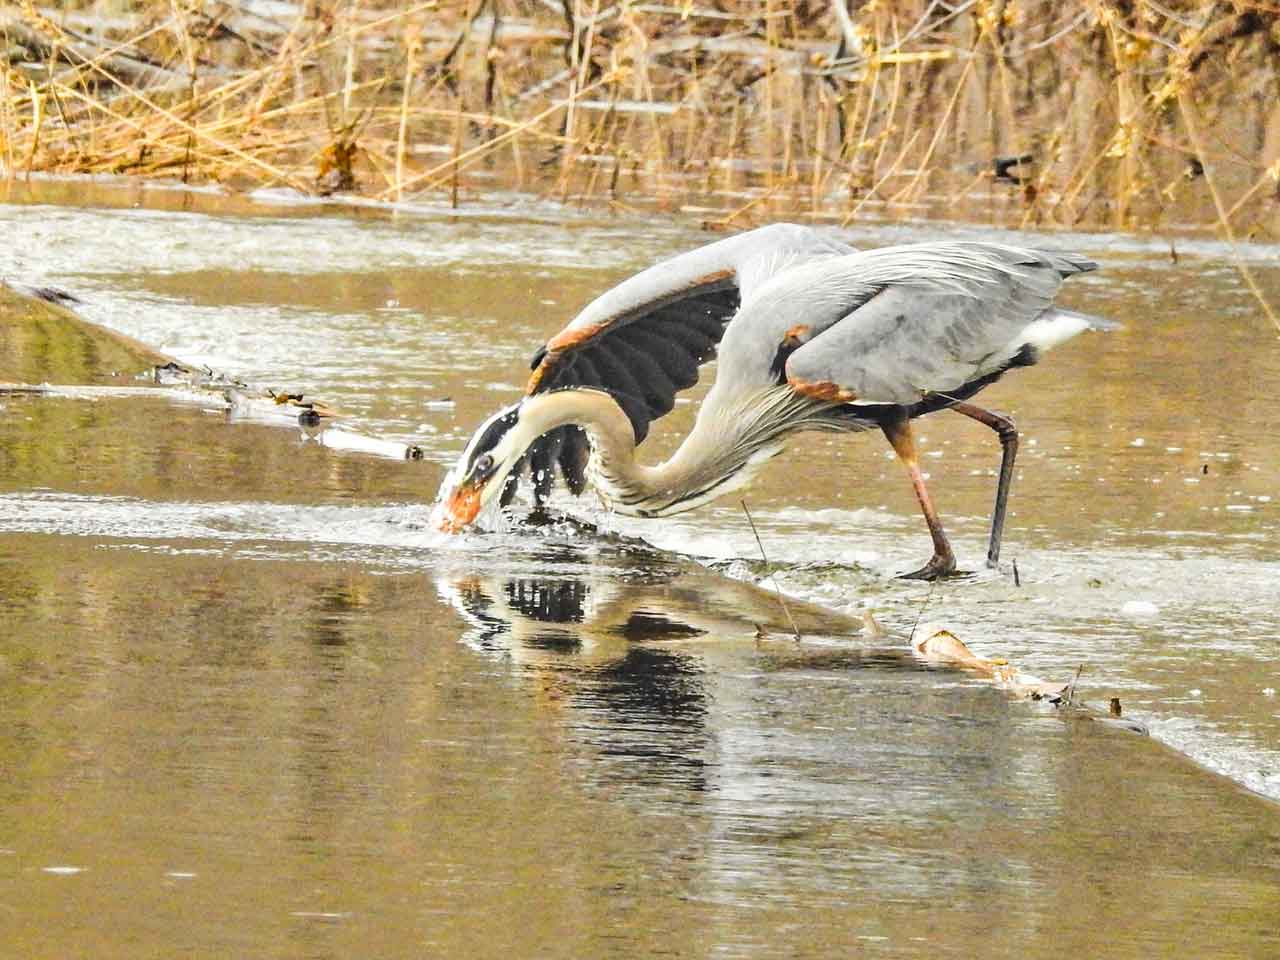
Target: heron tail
point(1055, 326)
point(1089, 320)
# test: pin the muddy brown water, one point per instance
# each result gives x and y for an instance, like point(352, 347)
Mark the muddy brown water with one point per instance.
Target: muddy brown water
point(251, 705)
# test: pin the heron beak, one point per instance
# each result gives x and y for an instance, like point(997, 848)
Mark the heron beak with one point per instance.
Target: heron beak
point(457, 511)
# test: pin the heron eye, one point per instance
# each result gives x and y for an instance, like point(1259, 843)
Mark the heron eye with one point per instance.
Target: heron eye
point(483, 465)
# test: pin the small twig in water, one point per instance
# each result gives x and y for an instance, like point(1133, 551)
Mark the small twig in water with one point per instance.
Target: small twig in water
point(1070, 697)
point(1017, 580)
point(871, 625)
point(920, 614)
point(760, 544)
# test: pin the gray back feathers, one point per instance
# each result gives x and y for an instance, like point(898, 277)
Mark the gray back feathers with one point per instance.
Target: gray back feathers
point(893, 324)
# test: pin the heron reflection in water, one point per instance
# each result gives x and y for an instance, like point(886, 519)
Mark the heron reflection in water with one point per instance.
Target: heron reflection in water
point(809, 334)
point(629, 638)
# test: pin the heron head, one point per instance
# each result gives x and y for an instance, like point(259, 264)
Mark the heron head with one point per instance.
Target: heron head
point(481, 472)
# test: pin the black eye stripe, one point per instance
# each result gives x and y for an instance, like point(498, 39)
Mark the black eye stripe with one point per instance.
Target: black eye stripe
point(490, 435)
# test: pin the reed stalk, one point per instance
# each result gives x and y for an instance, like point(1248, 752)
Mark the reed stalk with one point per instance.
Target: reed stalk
point(758, 107)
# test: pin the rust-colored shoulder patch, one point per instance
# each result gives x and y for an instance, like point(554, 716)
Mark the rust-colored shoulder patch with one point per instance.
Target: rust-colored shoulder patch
point(549, 362)
point(712, 278)
point(822, 390)
point(571, 337)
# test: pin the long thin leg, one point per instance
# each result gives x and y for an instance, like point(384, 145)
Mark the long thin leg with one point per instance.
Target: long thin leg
point(898, 432)
point(1008, 434)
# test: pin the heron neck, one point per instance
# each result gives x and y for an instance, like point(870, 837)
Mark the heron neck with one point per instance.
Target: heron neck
point(613, 441)
point(719, 454)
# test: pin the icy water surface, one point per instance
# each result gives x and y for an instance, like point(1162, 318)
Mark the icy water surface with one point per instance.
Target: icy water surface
point(252, 705)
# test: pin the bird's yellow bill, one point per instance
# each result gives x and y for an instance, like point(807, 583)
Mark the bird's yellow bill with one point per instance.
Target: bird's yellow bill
point(458, 509)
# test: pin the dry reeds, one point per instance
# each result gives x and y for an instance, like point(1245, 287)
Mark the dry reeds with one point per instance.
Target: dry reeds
point(1028, 112)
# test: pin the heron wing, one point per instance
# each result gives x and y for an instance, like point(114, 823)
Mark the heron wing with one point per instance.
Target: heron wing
point(644, 340)
point(930, 319)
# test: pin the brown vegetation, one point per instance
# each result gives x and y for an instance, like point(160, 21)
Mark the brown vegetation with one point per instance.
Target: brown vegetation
point(1122, 113)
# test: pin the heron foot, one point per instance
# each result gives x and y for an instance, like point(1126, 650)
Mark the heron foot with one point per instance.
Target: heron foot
point(939, 567)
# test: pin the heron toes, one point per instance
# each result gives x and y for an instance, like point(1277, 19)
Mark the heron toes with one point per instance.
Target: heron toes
point(938, 568)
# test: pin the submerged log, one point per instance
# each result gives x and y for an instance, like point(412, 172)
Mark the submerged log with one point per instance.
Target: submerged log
point(44, 342)
point(941, 646)
point(48, 350)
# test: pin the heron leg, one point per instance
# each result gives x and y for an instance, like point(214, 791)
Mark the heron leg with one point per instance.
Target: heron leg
point(943, 562)
point(1008, 434)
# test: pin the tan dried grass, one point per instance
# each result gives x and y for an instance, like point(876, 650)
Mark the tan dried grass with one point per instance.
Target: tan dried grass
point(757, 107)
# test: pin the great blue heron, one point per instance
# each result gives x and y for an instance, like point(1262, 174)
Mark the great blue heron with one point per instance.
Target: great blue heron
point(810, 335)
